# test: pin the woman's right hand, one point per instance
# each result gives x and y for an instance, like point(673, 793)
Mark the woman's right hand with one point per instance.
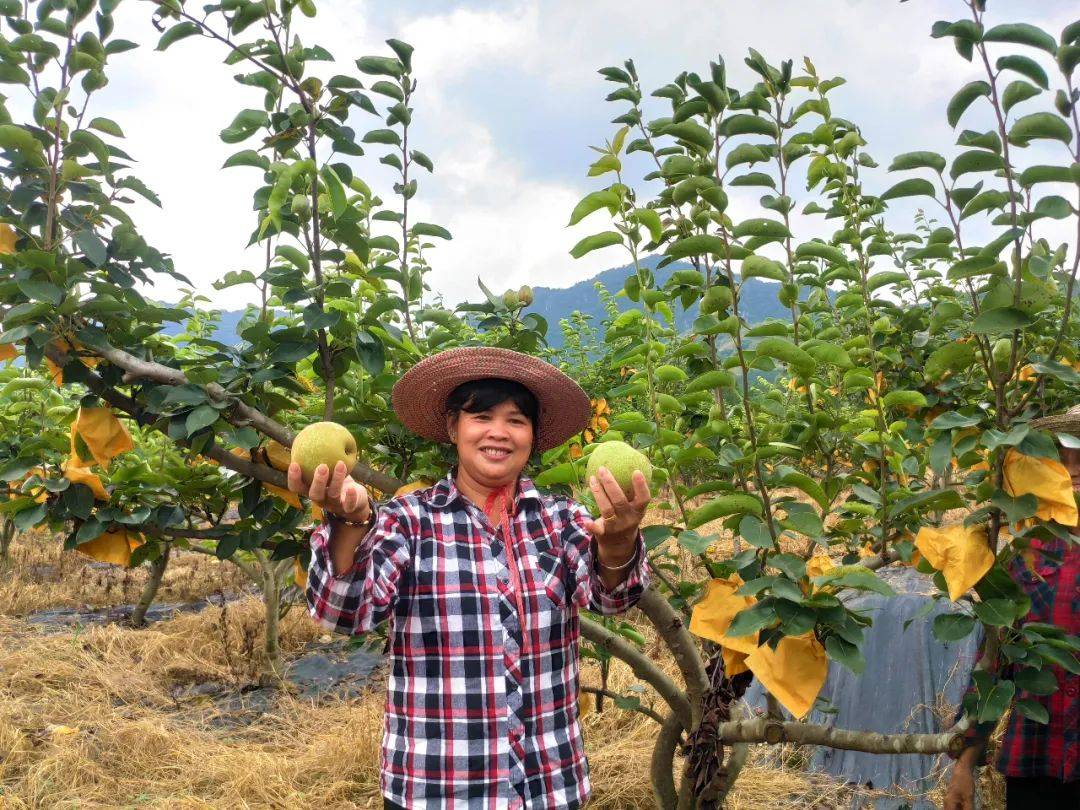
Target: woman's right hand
point(339, 494)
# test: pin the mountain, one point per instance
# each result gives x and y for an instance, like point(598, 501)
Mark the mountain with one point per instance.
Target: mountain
point(757, 302)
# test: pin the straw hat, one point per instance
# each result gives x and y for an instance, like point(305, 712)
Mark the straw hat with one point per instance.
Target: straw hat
point(1066, 422)
point(419, 397)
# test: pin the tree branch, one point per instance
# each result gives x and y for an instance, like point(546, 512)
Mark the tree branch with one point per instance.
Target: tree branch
point(241, 414)
point(641, 665)
point(645, 710)
point(673, 631)
point(764, 730)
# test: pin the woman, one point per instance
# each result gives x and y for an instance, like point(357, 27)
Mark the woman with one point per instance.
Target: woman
point(482, 578)
point(1040, 761)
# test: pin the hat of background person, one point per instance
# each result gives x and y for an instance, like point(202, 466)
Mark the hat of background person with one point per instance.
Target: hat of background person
point(1065, 422)
point(419, 397)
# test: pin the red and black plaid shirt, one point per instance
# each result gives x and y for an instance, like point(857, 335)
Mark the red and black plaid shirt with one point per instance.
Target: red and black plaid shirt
point(477, 715)
point(1051, 749)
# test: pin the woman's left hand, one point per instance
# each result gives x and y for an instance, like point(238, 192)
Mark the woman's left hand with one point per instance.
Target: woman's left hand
point(619, 516)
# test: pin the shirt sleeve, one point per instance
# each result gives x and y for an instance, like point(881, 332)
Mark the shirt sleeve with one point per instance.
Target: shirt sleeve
point(589, 590)
point(357, 600)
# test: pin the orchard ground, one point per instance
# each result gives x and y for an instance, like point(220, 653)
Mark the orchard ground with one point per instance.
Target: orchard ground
point(103, 715)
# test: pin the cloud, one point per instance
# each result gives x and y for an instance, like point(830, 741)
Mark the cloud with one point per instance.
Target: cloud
point(507, 102)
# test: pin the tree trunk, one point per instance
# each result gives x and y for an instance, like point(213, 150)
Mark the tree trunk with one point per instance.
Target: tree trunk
point(7, 535)
point(271, 674)
point(157, 571)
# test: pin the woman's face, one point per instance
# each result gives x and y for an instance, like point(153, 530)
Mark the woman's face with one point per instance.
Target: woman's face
point(493, 445)
point(1070, 457)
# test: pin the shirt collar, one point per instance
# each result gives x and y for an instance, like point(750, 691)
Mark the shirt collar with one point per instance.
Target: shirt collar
point(445, 493)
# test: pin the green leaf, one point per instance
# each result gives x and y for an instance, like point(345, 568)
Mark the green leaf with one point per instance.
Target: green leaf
point(1025, 66)
point(857, 577)
point(427, 229)
point(697, 245)
point(761, 228)
point(830, 354)
point(1032, 710)
point(247, 157)
point(16, 139)
point(904, 399)
point(759, 267)
point(692, 133)
point(41, 290)
point(820, 250)
point(28, 518)
point(1016, 93)
point(423, 160)
point(605, 198)
point(694, 542)
point(918, 160)
point(1036, 681)
point(92, 247)
point(403, 50)
point(595, 242)
point(996, 612)
point(718, 378)
point(177, 33)
point(384, 136)
point(994, 701)
point(1041, 125)
point(964, 98)
point(379, 66)
point(749, 620)
point(747, 125)
point(1022, 34)
point(953, 626)
point(1002, 319)
point(912, 187)
point(723, 506)
point(106, 125)
point(755, 532)
point(784, 350)
point(975, 161)
point(201, 417)
point(845, 653)
point(651, 220)
point(336, 191)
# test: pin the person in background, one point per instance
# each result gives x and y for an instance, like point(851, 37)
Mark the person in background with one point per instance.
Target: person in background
point(482, 577)
point(1039, 761)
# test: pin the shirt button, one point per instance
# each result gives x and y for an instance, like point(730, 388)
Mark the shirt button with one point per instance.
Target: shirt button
point(1070, 689)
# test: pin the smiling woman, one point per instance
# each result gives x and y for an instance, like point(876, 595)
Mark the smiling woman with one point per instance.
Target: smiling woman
point(482, 577)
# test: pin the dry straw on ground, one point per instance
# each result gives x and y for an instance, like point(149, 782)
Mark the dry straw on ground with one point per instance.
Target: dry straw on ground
point(100, 717)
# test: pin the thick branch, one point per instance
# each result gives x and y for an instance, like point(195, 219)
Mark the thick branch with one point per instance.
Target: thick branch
point(641, 665)
point(673, 631)
point(95, 383)
point(241, 414)
point(763, 730)
point(661, 766)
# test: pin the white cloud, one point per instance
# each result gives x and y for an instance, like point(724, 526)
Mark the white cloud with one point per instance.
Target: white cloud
point(508, 209)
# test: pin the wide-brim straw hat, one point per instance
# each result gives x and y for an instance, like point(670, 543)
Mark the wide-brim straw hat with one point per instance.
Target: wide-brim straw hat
point(1066, 422)
point(419, 397)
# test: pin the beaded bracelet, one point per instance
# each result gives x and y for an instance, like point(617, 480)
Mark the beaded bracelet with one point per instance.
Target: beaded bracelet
point(333, 517)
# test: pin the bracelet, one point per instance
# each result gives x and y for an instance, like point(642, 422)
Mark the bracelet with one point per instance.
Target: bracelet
point(333, 517)
point(626, 564)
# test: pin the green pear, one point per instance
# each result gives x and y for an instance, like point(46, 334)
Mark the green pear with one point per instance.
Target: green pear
point(621, 459)
point(323, 443)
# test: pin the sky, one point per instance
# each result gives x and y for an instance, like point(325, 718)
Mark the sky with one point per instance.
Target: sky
point(508, 102)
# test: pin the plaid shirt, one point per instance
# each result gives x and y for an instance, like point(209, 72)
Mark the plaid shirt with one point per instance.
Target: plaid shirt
point(472, 720)
point(1032, 749)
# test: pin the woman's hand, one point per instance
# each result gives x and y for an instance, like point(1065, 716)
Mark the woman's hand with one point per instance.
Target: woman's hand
point(341, 495)
point(620, 517)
